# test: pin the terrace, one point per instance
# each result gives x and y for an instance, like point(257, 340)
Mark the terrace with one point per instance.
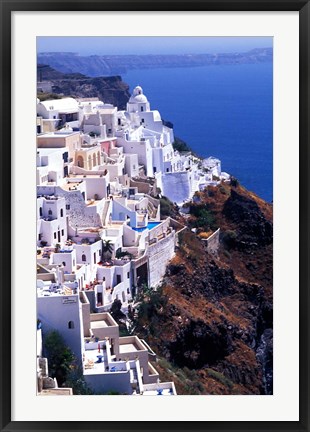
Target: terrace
point(102, 326)
point(71, 186)
point(159, 389)
point(98, 357)
point(88, 175)
point(95, 358)
point(131, 344)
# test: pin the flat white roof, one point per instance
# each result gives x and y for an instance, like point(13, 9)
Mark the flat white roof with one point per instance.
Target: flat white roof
point(57, 134)
point(98, 324)
point(127, 348)
point(64, 104)
point(46, 151)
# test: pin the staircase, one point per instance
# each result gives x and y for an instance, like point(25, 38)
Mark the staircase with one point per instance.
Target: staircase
point(104, 212)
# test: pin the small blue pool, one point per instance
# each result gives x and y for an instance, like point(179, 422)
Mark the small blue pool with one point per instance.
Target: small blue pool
point(149, 226)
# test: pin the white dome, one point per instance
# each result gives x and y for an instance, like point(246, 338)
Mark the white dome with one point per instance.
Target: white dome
point(137, 90)
point(138, 99)
point(138, 96)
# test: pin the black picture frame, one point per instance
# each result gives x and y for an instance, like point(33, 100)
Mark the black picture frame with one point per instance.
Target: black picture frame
point(7, 7)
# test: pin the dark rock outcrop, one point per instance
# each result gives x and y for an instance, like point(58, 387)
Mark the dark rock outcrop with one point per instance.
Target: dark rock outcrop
point(217, 316)
point(110, 90)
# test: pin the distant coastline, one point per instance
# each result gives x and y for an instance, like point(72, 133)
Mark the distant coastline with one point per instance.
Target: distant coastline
point(96, 65)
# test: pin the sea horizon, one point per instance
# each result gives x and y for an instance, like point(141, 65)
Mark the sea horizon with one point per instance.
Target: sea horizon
point(223, 111)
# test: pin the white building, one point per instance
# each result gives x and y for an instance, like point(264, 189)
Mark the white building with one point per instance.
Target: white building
point(59, 308)
point(114, 363)
point(98, 238)
point(140, 131)
point(99, 120)
point(57, 112)
point(51, 220)
point(110, 362)
point(52, 165)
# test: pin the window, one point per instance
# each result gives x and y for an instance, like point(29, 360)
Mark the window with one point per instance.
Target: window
point(40, 237)
point(55, 235)
point(64, 263)
point(134, 167)
point(84, 257)
point(41, 211)
point(70, 325)
point(95, 259)
point(50, 212)
point(118, 279)
point(167, 169)
point(67, 206)
point(142, 120)
point(142, 109)
point(99, 299)
point(128, 275)
point(61, 212)
point(62, 232)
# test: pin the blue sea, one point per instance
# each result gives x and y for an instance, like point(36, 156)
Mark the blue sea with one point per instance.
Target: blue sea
point(224, 111)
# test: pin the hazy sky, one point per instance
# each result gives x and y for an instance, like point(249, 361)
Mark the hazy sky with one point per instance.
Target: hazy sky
point(150, 45)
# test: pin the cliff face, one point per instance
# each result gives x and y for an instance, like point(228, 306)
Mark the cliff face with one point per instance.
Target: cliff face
point(99, 65)
point(108, 89)
point(212, 318)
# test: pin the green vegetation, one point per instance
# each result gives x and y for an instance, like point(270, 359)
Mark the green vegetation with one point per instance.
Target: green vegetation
point(150, 306)
point(76, 381)
point(62, 364)
point(229, 239)
point(167, 208)
point(48, 96)
point(203, 217)
point(223, 190)
point(60, 357)
point(116, 311)
point(93, 134)
point(187, 381)
point(227, 254)
point(107, 250)
point(180, 145)
point(234, 182)
point(120, 254)
point(220, 377)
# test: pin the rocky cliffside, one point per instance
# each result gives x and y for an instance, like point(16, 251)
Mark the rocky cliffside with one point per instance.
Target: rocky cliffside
point(211, 321)
point(108, 89)
point(99, 65)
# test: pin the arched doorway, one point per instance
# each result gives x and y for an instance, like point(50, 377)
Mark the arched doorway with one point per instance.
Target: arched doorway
point(80, 161)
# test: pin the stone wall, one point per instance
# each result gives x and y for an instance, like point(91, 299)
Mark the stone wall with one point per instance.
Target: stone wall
point(213, 242)
point(159, 255)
